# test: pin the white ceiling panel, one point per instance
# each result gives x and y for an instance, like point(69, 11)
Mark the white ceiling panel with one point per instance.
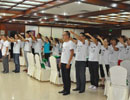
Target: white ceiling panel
point(75, 8)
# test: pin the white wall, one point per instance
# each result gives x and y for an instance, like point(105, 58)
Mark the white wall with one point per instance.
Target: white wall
point(126, 33)
point(57, 32)
point(35, 28)
point(47, 31)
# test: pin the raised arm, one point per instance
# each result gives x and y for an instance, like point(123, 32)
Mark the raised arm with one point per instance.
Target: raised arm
point(104, 44)
point(93, 39)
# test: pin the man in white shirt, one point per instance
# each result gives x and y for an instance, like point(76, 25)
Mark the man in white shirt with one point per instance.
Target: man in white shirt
point(16, 52)
point(122, 49)
point(66, 61)
point(38, 44)
point(113, 53)
point(27, 46)
point(127, 54)
point(80, 58)
point(94, 48)
point(5, 54)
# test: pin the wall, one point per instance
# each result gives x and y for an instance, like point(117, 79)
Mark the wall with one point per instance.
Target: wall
point(51, 31)
point(12, 27)
point(126, 33)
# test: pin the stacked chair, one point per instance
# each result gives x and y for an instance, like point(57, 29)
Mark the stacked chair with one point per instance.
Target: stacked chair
point(54, 76)
point(35, 70)
point(41, 74)
point(118, 89)
point(31, 64)
point(22, 59)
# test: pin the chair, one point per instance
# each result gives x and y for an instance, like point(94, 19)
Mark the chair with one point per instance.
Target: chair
point(126, 64)
point(31, 64)
point(22, 59)
point(54, 77)
point(73, 71)
point(40, 73)
point(118, 89)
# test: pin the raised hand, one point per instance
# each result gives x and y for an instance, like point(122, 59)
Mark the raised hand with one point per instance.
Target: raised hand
point(71, 32)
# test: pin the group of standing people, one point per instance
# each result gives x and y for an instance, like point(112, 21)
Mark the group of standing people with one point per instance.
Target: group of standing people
point(94, 49)
point(97, 51)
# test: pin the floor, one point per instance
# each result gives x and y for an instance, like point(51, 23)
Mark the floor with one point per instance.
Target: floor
point(22, 87)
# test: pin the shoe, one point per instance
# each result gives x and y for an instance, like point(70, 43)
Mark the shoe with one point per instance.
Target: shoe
point(17, 71)
point(66, 93)
point(94, 88)
point(25, 70)
point(3, 71)
point(81, 91)
point(14, 71)
point(61, 91)
point(76, 89)
point(91, 86)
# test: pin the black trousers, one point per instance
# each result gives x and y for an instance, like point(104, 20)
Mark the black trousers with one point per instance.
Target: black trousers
point(94, 75)
point(47, 55)
point(80, 75)
point(102, 70)
point(66, 77)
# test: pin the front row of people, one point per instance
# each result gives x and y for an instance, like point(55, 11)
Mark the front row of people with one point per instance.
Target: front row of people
point(98, 50)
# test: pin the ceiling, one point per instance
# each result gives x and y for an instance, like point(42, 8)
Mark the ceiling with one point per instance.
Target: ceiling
point(67, 13)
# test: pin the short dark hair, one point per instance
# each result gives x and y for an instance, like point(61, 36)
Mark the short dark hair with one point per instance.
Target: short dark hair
point(68, 33)
point(28, 32)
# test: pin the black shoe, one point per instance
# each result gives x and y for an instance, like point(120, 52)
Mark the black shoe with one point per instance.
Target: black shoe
point(61, 91)
point(14, 71)
point(3, 71)
point(17, 71)
point(81, 91)
point(66, 93)
point(76, 89)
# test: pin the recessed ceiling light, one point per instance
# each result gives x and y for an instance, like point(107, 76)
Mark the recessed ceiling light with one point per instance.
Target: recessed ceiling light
point(42, 11)
point(56, 19)
point(78, 2)
point(35, 14)
point(64, 13)
point(80, 16)
point(30, 21)
point(40, 19)
point(10, 21)
point(55, 16)
point(45, 18)
point(4, 14)
point(114, 5)
point(13, 19)
point(26, 22)
point(41, 22)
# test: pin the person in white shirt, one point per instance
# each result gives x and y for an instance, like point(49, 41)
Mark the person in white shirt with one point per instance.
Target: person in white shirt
point(5, 54)
point(80, 64)
point(16, 51)
point(27, 46)
point(56, 47)
point(122, 49)
point(104, 59)
point(38, 42)
point(113, 53)
point(94, 48)
point(1, 43)
point(127, 54)
point(66, 61)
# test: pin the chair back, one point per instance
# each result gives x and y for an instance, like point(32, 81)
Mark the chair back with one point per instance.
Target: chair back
point(37, 59)
point(118, 76)
point(53, 63)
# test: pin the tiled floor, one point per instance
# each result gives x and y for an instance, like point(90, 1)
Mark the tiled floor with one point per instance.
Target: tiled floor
point(22, 87)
